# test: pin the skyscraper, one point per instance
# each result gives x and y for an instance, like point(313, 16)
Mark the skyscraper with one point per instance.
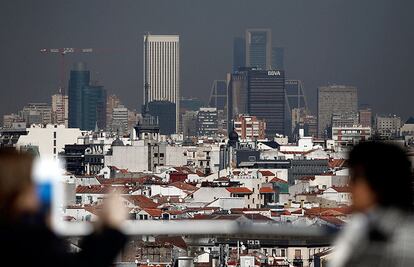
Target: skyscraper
point(259, 48)
point(334, 99)
point(278, 58)
point(239, 53)
point(87, 102)
point(258, 93)
point(295, 95)
point(78, 80)
point(93, 107)
point(162, 69)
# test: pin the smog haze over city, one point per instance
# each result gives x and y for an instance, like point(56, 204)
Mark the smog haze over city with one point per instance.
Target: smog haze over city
point(366, 44)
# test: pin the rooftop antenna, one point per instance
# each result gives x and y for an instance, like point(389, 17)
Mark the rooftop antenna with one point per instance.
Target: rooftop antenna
point(146, 78)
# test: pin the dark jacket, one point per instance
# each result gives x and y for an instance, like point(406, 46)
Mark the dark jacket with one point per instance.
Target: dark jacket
point(33, 244)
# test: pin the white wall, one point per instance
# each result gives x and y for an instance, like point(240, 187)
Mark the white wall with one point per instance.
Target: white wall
point(43, 138)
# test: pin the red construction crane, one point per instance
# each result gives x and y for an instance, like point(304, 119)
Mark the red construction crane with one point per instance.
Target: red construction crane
point(62, 52)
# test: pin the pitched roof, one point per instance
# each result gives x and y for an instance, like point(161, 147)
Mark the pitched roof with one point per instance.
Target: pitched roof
point(154, 212)
point(239, 190)
point(278, 180)
point(141, 201)
point(332, 220)
point(318, 211)
point(184, 186)
point(266, 173)
point(104, 189)
point(176, 241)
point(336, 163)
point(266, 190)
point(341, 189)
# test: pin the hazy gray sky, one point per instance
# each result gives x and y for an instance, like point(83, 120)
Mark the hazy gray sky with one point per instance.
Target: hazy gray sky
point(368, 44)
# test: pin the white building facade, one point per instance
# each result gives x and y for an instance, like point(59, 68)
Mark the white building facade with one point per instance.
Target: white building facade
point(50, 139)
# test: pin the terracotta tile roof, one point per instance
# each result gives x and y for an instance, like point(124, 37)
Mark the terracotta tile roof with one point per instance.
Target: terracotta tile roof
point(332, 220)
point(239, 190)
point(341, 211)
point(341, 189)
point(104, 189)
point(257, 217)
point(141, 201)
point(119, 181)
point(278, 180)
point(307, 178)
point(266, 173)
point(154, 212)
point(299, 211)
point(184, 186)
point(266, 190)
point(176, 241)
point(336, 163)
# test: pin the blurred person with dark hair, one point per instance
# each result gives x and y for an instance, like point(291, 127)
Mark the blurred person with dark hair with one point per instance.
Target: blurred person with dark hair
point(381, 231)
point(25, 238)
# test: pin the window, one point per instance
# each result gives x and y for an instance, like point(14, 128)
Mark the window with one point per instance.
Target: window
point(54, 134)
point(298, 254)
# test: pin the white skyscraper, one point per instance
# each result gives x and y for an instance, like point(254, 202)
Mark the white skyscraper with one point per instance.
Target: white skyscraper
point(162, 69)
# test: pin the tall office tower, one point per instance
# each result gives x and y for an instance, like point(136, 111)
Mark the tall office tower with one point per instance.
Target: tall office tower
point(119, 121)
point(259, 48)
point(334, 99)
point(239, 53)
point(258, 93)
point(278, 58)
point(87, 102)
point(162, 70)
point(79, 79)
point(165, 112)
point(365, 117)
point(112, 101)
point(218, 96)
point(60, 109)
point(295, 94)
point(94, 107)
point(37, 113)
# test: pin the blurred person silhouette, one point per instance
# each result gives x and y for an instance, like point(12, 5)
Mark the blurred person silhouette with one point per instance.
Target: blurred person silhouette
point(381, 231)
point(26, 239)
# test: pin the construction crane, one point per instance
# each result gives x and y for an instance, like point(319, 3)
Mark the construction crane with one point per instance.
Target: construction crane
point(62, 52)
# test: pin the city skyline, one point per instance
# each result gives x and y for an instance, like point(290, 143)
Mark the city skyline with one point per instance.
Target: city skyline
point(383, 46)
